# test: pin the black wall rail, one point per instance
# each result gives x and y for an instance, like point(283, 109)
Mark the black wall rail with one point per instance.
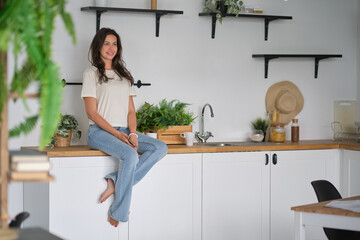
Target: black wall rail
point(139, 84)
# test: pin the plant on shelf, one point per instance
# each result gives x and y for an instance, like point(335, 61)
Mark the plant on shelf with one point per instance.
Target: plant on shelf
point(223, 7)
point(67, 127)
point(152, 117)
point(27, 26)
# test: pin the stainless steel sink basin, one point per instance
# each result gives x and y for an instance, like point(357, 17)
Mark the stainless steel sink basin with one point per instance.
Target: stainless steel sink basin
point(226, 144)
point(214, 144)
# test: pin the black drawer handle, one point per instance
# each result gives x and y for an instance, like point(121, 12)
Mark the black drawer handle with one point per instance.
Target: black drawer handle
point(266, 159)
point(274, 159)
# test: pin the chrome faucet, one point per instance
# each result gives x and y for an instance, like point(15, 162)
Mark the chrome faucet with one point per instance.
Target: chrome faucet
point(203, 136)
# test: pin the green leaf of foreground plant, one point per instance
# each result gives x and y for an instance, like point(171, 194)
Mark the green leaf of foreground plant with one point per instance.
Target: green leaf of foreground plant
point(30, 35)
point(50, 101)
point(66, 17)
point(24, 127)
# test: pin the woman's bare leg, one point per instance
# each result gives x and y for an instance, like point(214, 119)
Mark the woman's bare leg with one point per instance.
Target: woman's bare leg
point(109, 190)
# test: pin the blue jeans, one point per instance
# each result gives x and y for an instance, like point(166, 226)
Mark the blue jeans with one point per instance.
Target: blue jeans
point(132, 167)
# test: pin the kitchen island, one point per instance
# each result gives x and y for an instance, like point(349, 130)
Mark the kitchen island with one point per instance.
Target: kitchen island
point(199, 192)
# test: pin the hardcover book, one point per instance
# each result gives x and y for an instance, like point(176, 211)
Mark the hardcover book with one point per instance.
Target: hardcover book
point(30, 166)
point(27, 155)
point(16, 176)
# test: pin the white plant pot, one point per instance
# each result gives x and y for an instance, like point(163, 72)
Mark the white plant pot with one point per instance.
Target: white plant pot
point(153, 135)
point(100, 3)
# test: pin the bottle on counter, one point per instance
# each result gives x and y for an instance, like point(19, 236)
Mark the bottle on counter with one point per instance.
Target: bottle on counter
point(295, 129)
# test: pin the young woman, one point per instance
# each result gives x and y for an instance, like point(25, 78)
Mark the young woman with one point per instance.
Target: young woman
point(108, 93)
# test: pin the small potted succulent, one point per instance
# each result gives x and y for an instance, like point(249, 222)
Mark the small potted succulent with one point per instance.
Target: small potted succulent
point(67, 127)
point(260, 126)
point(223, 7)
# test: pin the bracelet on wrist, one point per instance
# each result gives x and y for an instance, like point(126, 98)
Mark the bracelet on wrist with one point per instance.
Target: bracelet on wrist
point(132, 133)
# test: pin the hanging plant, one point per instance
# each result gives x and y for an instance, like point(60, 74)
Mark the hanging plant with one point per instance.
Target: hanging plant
point(223, 7)
point(27, 25)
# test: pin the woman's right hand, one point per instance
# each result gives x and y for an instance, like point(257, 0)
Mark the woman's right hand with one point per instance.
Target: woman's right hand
point(123, 137)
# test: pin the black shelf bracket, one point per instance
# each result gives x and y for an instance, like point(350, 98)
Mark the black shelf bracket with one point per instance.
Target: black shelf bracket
point(98, 19)
point(158, 14)
point(213, 26)
point(317, 57)
point(267, 20)
point(157, 20)
point(266, 61)
point(139, 84)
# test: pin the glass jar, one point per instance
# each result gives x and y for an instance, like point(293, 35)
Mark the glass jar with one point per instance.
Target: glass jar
point(277, 132)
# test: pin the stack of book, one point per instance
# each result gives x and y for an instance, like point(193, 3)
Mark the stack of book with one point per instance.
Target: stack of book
point(29, 164)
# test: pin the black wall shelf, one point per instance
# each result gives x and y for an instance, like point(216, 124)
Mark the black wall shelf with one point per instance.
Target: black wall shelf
point(139, 84)
point(267, 20)
point(317, 57)
point(158, 14)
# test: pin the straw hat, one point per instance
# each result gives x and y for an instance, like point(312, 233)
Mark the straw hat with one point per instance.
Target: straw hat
point(286, 98)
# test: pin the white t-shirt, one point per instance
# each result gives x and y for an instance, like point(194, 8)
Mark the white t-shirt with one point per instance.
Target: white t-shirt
point(112, 98)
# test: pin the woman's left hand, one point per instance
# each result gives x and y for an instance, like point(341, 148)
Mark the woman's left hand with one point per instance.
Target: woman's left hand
point(134, 140)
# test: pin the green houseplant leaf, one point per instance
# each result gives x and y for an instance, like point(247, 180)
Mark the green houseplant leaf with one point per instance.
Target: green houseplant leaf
point(163, 115)
point(67, 122)
point(260, 124)
point(231, 7)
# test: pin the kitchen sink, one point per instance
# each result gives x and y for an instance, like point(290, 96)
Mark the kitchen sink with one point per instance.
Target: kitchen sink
point(226, 144)
point(215, 144)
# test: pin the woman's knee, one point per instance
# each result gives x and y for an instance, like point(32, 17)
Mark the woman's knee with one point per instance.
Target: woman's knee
point(131, 158)
point(162, 148)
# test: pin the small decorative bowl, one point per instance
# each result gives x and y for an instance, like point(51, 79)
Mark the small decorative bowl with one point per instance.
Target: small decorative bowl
point(257, 136)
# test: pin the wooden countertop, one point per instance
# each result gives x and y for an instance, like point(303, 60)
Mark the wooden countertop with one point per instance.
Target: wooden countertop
point(84, 150)
point(320, 208)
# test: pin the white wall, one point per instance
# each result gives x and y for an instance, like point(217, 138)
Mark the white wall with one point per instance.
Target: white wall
point(185, 63)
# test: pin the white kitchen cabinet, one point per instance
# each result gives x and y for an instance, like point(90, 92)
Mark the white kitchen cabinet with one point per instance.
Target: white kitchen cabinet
point(350, 166)
point(245, 198)
point(166, 204)
point(71, 203)
point(235, 196)
point(209, 196)
point(291, 186)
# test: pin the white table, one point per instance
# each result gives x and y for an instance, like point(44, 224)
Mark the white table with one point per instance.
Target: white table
point(318, 215)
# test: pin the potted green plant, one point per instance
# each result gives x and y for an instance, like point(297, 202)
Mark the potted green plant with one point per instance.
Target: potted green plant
point(167, 119)
point(259, 124)
point(27, 26)
point(67, 127)
point(146, 117)
point(223, 7)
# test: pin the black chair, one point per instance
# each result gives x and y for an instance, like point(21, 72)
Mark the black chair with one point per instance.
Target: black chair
point(17, 221)
point(325, 191)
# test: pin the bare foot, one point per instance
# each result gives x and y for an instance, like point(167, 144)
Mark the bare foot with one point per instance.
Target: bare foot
point(113, 221)
point(109, 190)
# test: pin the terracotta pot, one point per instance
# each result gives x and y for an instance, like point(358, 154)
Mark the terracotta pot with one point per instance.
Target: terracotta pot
point(63, 141)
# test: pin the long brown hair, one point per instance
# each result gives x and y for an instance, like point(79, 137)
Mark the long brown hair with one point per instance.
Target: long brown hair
point(118, 63)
